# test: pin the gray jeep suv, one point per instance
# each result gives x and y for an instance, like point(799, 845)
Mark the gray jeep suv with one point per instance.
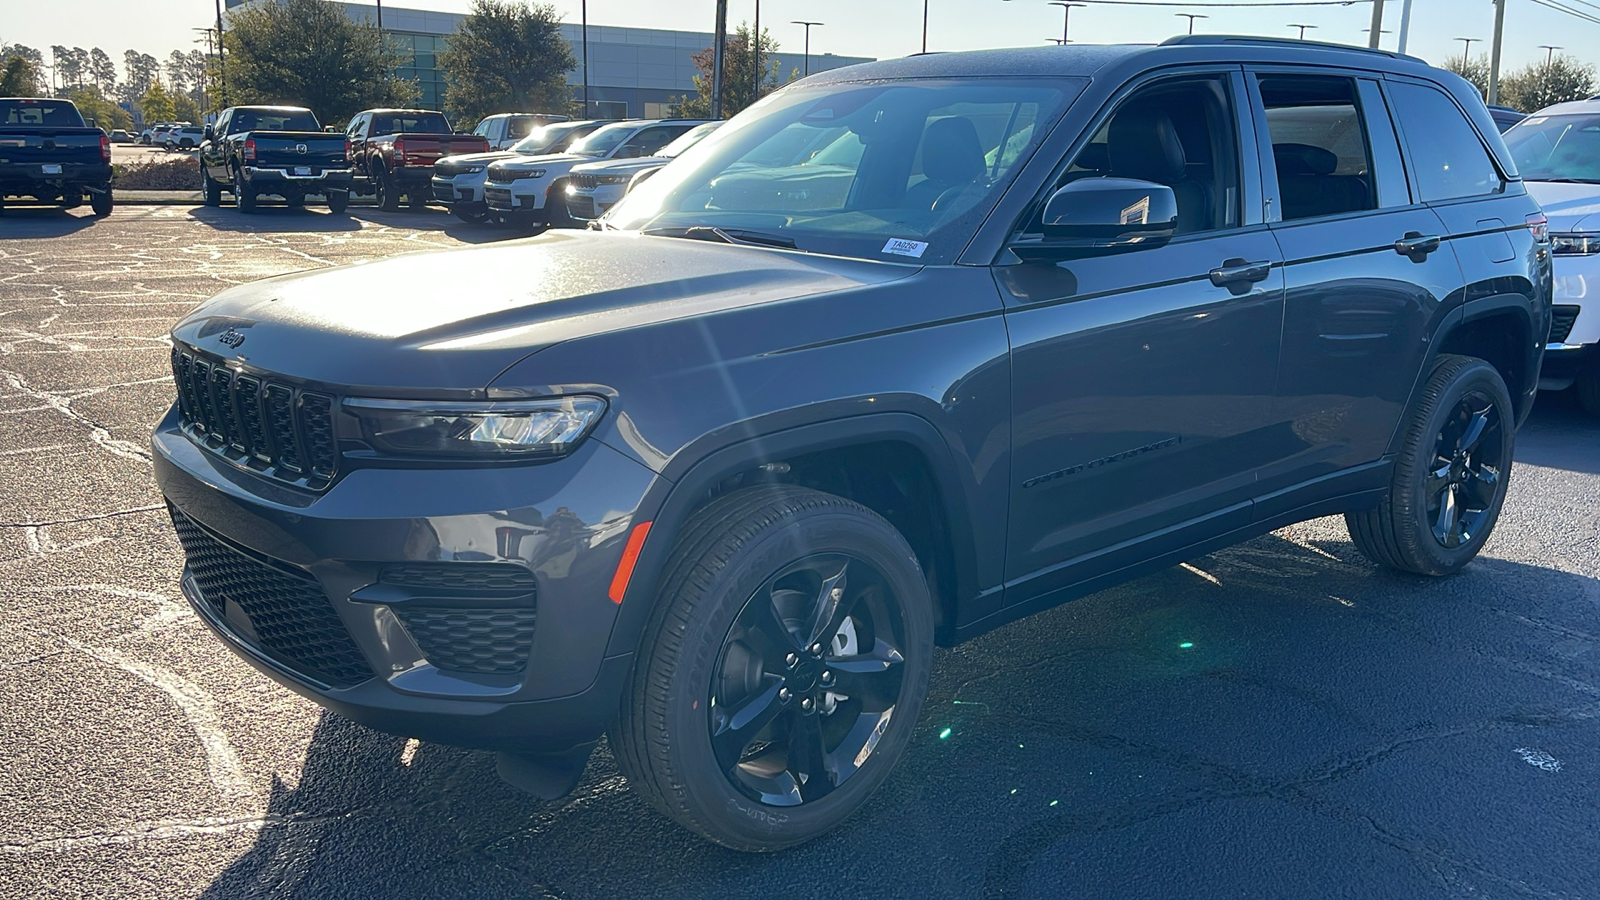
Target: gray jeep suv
point(716, 480)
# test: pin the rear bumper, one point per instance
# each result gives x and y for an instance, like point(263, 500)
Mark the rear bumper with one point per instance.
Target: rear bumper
point(348, 640)
point(30, 179)
point(264, 178)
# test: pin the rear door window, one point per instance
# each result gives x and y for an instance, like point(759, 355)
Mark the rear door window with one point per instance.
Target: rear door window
point(1447, 156)
point(1320, 146)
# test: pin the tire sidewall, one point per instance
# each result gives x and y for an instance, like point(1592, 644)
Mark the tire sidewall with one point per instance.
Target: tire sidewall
point(809, 532)
point(1412, 496)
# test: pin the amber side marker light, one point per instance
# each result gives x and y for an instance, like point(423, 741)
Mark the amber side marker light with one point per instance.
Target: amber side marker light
point(630, 556)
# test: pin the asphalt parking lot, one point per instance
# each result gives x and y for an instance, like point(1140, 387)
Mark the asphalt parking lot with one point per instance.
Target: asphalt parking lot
point(1278, 719)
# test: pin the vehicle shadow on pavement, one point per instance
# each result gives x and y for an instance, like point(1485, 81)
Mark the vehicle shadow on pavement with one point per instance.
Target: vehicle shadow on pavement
point(275, 218)
point(1275, 719)
point(35, 222)
point(1560, 434)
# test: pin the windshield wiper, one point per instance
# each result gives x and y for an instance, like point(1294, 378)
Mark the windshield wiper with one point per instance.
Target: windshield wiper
point(726, 236)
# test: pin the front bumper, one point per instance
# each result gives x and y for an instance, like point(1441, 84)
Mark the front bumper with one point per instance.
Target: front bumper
point(525, 196)
point(588, 204)
point(349, 640)
point(462, 189)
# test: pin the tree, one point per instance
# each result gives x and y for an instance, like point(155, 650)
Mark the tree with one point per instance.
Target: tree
point(185, 109)
point(100, 111)
point(68, 64)
point(102, 72)
point(1534, 87)
point(309, 53)
point(141, 71)
point(737, 75)
point(507, 56)
point(18, 78)
point(20, 70)
point(1475, 71)
point(156, 105)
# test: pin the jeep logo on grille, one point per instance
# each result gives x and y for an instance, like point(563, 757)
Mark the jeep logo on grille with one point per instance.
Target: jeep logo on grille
point(231, 337)
point(299, 148)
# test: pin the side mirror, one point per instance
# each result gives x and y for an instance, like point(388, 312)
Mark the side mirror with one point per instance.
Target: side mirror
point(1103, 214)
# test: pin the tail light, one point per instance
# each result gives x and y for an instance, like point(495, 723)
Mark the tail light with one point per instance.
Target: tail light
point(250, 149)
point(1539, 227)
point(399, 153)
point(349, 151)
point(105, 148)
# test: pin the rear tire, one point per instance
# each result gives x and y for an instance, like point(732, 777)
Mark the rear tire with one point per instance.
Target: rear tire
point(244, 195)
point(416, 202)
point(1450, 479)
point(384, 187)
point(1588, 384)
point(338, 202)
point(738, 692)
point(102, 202)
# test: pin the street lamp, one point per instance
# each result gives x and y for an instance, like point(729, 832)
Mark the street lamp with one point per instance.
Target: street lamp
point(1303, 29)
point(1191, 17)
point(1550, 57)
point(808, 40)
point(585, 60)
point(1466, 51)
point(1066, 18)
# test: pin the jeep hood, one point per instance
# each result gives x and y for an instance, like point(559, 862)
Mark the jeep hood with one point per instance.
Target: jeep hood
point(432, 324)
point(485, 158)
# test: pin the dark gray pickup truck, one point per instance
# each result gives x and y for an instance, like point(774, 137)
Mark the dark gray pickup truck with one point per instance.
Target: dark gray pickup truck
point(282, 150)
point(49, 154)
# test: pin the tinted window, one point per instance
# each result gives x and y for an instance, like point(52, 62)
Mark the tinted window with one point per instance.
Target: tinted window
point(688, 139)
point(1319, 146)
point(1178, 133)
point(58, 114)
point(1446, 153)
point(257, 120)
point(550, 138)
point(408, 123)
point(519, 126)
point(603, 141)
point(1557, 148)
point(651, 140)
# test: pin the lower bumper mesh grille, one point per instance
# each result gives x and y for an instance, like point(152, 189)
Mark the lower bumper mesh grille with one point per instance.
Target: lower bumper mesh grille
point(289, 614)
point(1561, 325)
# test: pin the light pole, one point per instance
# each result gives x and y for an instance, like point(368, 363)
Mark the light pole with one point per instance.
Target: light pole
point(924, 27)
point(1405, 26)
point(1376, 29)
point(1466, 51)
point(1550, 56)
point(718, 58)
point(1303, 29)
point(222, 63)
point(808, 40)
point(755, 57)
point(1066, 18)
point(1191, 17)
point(585, 28)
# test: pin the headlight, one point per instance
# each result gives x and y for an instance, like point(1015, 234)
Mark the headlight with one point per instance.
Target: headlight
point(470, 170)
point(522, 173)
point(1575, 244)
point(499, 430)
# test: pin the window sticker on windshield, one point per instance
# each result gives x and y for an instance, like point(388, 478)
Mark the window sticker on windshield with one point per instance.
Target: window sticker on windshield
point(1536, 120)
point(903, 247)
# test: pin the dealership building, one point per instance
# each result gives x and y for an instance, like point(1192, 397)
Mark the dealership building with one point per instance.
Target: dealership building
point(633, 72)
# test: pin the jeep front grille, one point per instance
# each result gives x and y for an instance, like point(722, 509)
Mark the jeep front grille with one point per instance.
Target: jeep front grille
point(264, 425)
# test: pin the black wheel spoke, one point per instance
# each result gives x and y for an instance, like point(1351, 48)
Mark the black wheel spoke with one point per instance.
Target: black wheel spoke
point(832, 605)
point(1438, 478)
point(1477, 426)
point(742, 723)
point(1482, 483)
point(808, 758)
point(765, 631)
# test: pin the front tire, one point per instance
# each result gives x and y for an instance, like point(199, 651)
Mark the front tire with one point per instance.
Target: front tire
point(1588, 384)
point(388, 193)
point(1450, 479)
point(783, 670)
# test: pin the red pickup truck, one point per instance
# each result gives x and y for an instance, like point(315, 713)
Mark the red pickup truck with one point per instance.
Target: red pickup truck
point(393, 151)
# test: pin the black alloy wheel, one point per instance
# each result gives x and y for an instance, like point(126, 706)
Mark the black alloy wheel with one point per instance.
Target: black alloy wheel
point(1463, 482)
point(807, 680)
point(388, 195)
point(1450, 478)
point(781, 674)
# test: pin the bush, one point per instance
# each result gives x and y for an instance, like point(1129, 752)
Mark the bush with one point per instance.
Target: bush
point(181, 174)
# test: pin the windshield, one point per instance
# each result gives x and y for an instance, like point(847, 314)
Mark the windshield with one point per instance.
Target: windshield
point(409, 123)
point(688, 139)
point(902, 171)
point(543, 140)
point(1557, 148)
point(58, 113)
point(605, 140)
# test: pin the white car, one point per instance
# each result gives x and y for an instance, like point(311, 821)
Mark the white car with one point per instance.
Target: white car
point(458, 181)
point(595, 187)
point(183, 137)
point(528, 191)
point(1557, 151)
point(151, 135)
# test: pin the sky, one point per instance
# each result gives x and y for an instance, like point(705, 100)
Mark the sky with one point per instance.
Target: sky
point(890, 28)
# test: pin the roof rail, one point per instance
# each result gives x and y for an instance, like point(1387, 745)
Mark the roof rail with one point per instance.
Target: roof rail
point(1212, 39)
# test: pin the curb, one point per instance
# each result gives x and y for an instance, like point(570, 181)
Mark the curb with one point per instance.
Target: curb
point(158, 198)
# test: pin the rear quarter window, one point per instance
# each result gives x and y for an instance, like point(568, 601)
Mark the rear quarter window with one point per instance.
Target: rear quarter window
point(1447, 155)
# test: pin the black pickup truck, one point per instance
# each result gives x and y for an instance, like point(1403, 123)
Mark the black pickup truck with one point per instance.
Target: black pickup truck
point(282, 150)
point(49, 154)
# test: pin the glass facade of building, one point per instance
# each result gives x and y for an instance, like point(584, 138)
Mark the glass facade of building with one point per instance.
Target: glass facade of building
point(422, 65)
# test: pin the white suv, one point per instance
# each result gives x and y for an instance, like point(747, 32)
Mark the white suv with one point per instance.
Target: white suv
point(1558, 152)
point(527, 191)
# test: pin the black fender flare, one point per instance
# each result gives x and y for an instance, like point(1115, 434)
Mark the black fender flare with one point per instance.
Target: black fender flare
point(683, 485)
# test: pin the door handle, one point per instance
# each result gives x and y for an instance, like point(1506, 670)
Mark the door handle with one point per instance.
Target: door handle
point(1237, 272)
point(1416, 245)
